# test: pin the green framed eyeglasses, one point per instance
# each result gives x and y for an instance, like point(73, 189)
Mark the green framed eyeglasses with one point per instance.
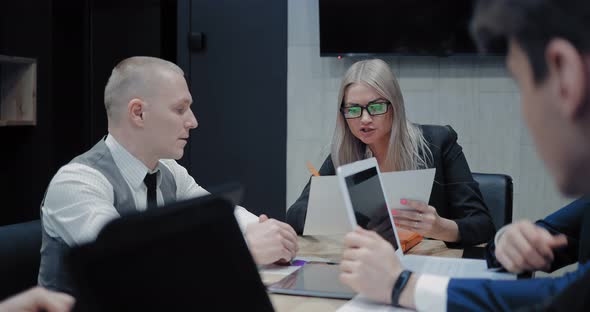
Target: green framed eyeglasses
point(356, 111)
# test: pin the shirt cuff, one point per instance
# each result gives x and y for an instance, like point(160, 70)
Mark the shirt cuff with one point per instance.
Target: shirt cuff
point(244, 217)
point(498, 234)
point(431, 293)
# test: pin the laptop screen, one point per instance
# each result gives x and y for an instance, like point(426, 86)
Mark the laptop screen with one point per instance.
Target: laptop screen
point(369, 205)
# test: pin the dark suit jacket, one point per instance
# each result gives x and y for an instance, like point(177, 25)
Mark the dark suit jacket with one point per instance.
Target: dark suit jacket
point(569, 292)
point(455, 194)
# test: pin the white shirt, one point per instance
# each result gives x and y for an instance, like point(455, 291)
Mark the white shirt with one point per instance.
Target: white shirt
point(431, 290)
point(79, 199)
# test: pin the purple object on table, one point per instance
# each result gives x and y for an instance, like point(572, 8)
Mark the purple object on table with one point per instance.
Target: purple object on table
point(298, 262)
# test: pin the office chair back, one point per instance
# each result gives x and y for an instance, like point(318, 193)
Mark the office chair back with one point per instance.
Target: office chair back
point(497, 191)
point(19, 257)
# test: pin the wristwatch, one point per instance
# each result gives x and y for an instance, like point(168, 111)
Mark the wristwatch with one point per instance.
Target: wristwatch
point(399, 286)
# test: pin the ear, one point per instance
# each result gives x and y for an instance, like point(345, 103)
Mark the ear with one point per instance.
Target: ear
point(569, 68)
point(135, 110)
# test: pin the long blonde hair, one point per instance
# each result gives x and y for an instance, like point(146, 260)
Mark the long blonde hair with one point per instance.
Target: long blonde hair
point(408, 150)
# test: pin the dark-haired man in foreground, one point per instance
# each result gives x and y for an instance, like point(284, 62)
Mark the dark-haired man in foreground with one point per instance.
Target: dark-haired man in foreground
point(548, 45)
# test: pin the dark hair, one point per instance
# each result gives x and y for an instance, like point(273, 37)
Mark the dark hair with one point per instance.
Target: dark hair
point(532, 23)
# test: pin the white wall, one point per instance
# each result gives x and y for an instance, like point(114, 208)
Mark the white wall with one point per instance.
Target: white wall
point(475, 95)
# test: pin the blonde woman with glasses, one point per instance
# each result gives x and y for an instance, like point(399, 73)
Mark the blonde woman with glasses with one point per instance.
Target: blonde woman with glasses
point(372, 123)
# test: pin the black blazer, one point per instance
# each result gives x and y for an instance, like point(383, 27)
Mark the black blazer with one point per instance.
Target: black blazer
point(455, 194)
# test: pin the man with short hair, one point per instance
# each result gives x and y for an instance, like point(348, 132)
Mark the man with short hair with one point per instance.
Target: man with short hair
point(548, 45)
point(149, 114)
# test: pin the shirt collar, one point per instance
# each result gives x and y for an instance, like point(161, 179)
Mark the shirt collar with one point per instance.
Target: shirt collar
point(132, 169)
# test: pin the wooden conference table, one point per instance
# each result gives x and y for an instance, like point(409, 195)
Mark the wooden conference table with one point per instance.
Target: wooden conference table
point(330, 247)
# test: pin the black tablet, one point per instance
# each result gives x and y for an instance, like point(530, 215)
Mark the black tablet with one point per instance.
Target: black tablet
point(315, 280)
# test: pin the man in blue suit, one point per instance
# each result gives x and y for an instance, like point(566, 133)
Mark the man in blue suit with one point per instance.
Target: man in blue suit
point(519, 248)
point(548, 44)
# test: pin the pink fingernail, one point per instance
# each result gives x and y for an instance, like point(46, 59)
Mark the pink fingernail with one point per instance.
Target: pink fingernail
point(394, 212)
point(403, 202)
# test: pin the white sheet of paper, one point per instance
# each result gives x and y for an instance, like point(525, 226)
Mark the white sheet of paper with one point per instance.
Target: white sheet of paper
point(362, 304)
point(326, 213)
point(277, 269)
point(413, 184)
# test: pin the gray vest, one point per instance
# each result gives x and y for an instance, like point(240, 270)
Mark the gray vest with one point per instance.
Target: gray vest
point(54, 269)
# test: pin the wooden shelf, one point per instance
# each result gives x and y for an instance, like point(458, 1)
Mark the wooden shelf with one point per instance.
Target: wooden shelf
point(18, 91)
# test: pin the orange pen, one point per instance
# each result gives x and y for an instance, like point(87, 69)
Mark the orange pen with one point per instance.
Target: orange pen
point(312, 169)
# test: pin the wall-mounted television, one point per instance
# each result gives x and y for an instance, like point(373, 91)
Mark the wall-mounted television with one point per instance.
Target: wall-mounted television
point(395, 27)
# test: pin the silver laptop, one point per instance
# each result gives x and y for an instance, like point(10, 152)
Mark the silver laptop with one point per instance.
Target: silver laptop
point(367, 206)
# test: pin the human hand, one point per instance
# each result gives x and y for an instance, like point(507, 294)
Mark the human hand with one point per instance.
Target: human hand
point(38, 299)
point(271, 240)
point(424, 220)
point(369, 265)
point(526, 247)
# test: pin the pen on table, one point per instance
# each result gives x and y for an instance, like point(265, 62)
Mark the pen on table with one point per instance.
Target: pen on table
point(312, 169)
point(303, 262)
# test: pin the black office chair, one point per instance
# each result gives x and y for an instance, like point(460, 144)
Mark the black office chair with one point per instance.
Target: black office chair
point(497, 193)
point(20, 245)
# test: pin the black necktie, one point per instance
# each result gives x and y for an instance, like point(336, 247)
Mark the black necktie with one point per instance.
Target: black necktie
point(151, 181)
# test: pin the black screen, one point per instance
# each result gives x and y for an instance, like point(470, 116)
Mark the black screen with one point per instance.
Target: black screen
point(368, 203)
point(314, 279)
point(415, 27)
